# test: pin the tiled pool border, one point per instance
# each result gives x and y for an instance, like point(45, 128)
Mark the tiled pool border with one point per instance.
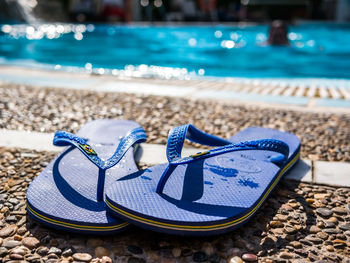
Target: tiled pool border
point(266, 91)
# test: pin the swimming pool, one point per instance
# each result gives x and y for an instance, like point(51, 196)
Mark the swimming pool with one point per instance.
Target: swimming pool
point(316, 50)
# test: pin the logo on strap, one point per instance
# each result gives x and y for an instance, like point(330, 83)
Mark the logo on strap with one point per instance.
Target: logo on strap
point(87, 149)
point(199, 154)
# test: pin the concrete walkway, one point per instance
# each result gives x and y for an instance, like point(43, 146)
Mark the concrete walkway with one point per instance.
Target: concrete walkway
point(298, 92)
point(317, 172)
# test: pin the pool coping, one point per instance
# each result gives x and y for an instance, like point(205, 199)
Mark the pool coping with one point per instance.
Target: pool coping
point(308, 171)
point(193, 89)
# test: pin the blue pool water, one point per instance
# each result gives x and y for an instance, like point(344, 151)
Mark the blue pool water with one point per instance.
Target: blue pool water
point(316, 50)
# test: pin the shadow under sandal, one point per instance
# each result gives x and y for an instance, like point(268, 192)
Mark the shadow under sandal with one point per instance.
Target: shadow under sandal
point(68, 194)
point(208, 193)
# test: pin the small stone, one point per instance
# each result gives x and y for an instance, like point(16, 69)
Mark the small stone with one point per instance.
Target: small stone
point(286, 255)
point(314, 229)
point(85, 257)
point(199, 257)
point(11, 219)
point(249, 257)
point(3, 251)
point(42, 251)
point(321, 196)
point(333, 219)
point(322, 235)
point(52, 255)
point(208, 249)
point(20, 250)
point(329, 224)
point(340, 210)
point(16, 257)
point(135, 250)
point(235, 260)
point(30, 242)
point(101, 251)
point(55, 250)
point(290, 230)
point(67, 252)
point(345, 227)
point(330, 248)
point(331, 231)
point(1, 240)
point(106, 259)
point(11, 243)
point(276, 224)
point(8, 231)
point(176, 252)
point(324, 212)
point(339, 243)
point(314, 239)
point(296, 244)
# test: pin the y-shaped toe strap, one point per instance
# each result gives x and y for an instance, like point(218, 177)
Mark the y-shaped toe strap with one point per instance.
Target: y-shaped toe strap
point(135, 136)
point(178, 135)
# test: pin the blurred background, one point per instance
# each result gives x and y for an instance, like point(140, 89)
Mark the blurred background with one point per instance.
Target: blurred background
point(173, 10)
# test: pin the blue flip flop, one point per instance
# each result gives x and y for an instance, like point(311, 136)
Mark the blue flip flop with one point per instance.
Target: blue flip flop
point(68, 194)
point(208, 193)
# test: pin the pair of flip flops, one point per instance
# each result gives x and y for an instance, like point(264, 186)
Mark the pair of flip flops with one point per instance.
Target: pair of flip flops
point(94, 185)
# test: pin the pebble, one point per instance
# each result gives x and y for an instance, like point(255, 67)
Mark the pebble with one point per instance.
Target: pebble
point(199, 257)
point(295, 244)
point(314, 239)
point(176, 252)
point(55, 250)
point(135, 250)
point(67, 252)
point(324, 212)
point(286, 255)
point(85, 257)
point(101, 251)
point(11, 243)
point(16, 257)
point(314, 229)
point(235, 260)
point(8, 231)
point(345, 227)
point(30, 242)
point(340, 210)
point(330, 248)
point(106, 259)
point(249, 257)
point(276, 224)
point(42, 251)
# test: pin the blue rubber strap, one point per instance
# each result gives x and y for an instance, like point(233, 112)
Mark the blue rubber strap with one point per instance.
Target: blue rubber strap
point(135, 136)
point(175, 159)
point(178, 135)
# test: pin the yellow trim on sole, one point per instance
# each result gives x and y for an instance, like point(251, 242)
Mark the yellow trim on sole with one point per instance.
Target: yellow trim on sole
point(75, 226)
point(206, 227)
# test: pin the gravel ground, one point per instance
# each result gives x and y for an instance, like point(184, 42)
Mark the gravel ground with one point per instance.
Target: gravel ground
point(324, 136)
point(298, 223)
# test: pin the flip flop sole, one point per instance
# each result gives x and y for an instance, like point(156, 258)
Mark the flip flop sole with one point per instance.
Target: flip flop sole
point(226, 195)
point(63, 195)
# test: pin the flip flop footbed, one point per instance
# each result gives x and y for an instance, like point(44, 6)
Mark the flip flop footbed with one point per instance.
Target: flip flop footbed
point(209, 196)
point(63, 196)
